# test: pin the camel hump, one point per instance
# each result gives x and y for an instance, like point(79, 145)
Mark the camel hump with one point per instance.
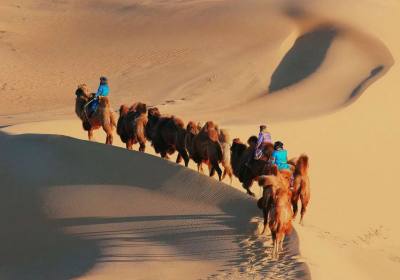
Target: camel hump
point(178, 122)
point(104, 101)
point(140, 108)
point(213, 135)
point(210, 125)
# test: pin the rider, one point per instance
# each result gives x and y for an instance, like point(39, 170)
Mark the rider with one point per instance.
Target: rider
point(103, 90)
point(264, 137)
point(279, 156)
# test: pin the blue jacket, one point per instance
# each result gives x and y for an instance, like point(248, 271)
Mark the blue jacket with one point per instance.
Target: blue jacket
point(280, 159)
point(103, 90)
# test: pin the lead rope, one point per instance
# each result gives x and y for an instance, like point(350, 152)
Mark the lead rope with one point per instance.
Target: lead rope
point(85, 109)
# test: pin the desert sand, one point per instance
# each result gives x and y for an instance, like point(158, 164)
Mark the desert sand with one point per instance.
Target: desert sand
point(322, 76)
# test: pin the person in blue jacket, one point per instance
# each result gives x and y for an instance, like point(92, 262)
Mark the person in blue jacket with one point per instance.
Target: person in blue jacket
point(279, 156)
point(103, 90)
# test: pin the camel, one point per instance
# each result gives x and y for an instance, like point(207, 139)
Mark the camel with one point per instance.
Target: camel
point(226, 154)
point(206, 148)
point(103, 117)
point(280, 223)
point(153, 116)
point(131, 125)
point(192, 130)
point(301, 187)
point(247, 174)
point(167, 135)
point(270, 184)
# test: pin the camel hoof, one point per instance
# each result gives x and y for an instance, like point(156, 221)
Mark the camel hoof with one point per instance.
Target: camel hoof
point(250, 193)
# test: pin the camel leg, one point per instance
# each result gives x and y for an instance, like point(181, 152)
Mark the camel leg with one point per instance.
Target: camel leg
point(90, 135)
point(200, 168)
point(224, 174)
point(215, 166)
point(179, 158)
point(212, 171)
point(229, 173)
point(249, 192)
point(265, 213)
point(183, 154)
point(281, 242)
point(275, 248)
point(109, 138)
point(142, 147)
point(295, 207)
point(246, 186)
point(129, 145)
point(304, 203)
point(185, 157)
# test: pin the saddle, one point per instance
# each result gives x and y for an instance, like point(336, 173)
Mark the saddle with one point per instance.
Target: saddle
point(91, 106)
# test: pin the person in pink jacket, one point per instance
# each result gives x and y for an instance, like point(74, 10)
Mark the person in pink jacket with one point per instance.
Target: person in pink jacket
point(264, 137)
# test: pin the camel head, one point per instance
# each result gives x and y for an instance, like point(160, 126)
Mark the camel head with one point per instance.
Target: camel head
point(237, 147)
point(192, 128)
point(302, 165)
point(236, 141)
point(123, 110)
point(153, 112)
point(82, 91)
point(141, 108)
point(252, 141)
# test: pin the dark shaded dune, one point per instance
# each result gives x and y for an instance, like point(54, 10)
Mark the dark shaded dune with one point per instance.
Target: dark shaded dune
point(304, 58)
point(35, 246)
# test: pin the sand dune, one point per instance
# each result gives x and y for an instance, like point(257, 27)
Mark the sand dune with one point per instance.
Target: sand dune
point(321, 74)
point(186, 53)
point(74, 218)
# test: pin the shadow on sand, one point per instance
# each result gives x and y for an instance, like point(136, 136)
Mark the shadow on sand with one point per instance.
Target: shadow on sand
point(34, 246)
point(303, 58)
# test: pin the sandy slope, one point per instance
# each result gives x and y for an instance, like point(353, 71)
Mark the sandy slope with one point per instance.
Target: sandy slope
point(73, 218)
point(215, 60)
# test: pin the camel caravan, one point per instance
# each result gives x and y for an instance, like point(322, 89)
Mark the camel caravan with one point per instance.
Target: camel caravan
point(284, 182)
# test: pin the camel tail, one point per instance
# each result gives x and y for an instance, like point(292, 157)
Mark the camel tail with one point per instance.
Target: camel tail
point(302, 164)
